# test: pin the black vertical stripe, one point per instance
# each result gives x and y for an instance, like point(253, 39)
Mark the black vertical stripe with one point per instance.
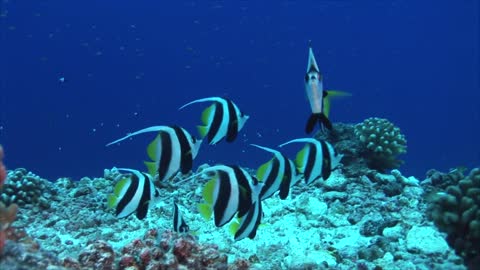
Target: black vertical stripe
point(247, 220)
point(186, 158)
point(310, 161)
point(128, 196)
point(233, 120)
point(326, 162)
point(165, 155)
point(245, 196)
point(287, 179)
point(272, 176)
point(217, 121)
point(145, 199)
point(257, 221)
point(223, 195)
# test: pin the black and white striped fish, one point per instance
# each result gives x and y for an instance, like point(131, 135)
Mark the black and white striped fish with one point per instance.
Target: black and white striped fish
point(232, 190)
point(172, 150)
point(316, 160)
point(278, 174)
point(222, 119)
point(134, 193)
point(179, 224)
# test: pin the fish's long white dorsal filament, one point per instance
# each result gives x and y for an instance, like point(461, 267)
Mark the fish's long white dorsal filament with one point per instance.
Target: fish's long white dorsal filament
point(201, 100)
point(273, 151)
point(300, 140)
point(145, 130)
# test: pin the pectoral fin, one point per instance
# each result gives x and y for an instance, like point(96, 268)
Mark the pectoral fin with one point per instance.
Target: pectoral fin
point(328, 99)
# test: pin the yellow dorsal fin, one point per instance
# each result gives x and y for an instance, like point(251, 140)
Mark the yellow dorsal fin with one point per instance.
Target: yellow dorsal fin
point(111, 201)
point(120, 185)
point(207, 114)
point(205, 210)
point(301, 158)
point(207, 192)
point(202, 130)
point(151, 167)
point(262, 170)
point(154, 148)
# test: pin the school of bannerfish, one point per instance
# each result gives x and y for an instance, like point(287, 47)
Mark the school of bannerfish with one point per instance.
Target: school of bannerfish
point(232, 191)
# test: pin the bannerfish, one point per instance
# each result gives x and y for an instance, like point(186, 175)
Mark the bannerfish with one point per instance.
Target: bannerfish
point(278, 174)
point(316, 160)
point(316, 95)
point(222, 119)
point(134, 193)
point(232, 190)
point(172, 150)
point(318, 98)
point(179, 224)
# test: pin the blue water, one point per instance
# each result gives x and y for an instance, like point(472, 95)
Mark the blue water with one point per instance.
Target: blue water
point(131, 64)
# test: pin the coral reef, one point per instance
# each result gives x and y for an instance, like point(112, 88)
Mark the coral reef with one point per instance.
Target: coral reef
point(23, 252)
point(3, 170)
point(7, 213)
point(169, 250)
point(383, 142)
point(456, 211)
point(343, 223)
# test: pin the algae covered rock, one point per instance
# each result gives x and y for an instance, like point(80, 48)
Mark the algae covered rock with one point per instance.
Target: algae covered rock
point(456, 211)
point(383, 142)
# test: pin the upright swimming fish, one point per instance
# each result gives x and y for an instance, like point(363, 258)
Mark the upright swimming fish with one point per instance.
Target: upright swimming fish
point(232, 190)
point(134, 193)
point(179, 224)
point(172, 150)
point(316, 160)
point(222, 119)
point(278, 174)
point(315, 94)
point(318, 98)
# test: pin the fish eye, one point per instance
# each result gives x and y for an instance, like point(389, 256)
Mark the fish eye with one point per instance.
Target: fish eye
point(306, 77)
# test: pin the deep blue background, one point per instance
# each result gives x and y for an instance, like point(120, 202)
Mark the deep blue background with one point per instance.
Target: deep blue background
point(131, 64)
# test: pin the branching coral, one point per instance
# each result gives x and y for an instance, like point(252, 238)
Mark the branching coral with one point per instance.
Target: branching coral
point(23, 187)
point(456, 211)
point(383, 142)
